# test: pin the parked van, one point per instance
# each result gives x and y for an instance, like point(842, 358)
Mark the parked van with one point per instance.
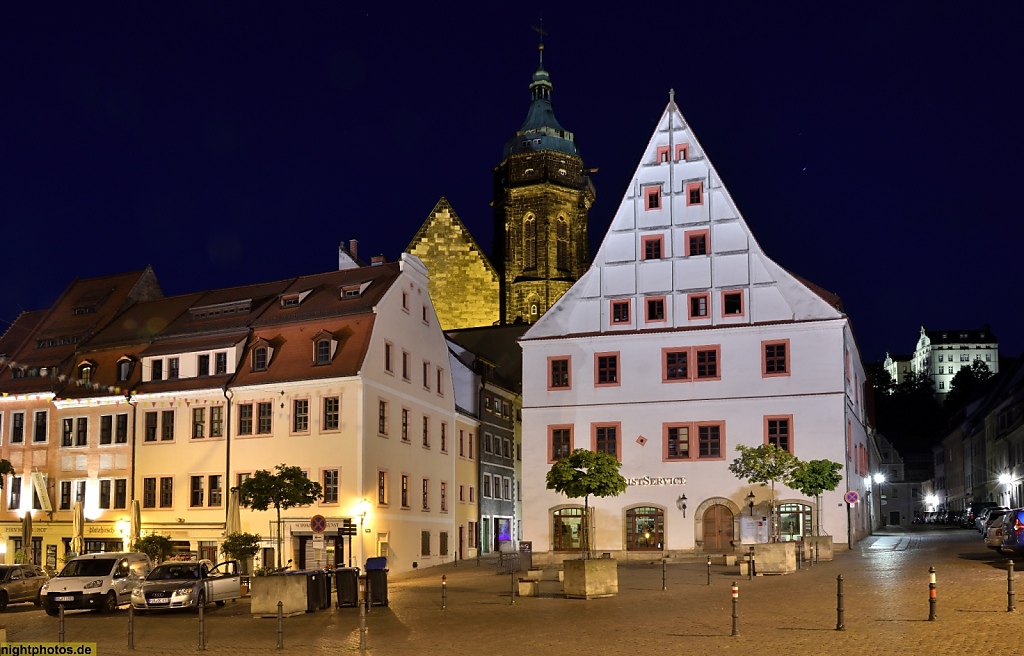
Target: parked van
point(100, 581)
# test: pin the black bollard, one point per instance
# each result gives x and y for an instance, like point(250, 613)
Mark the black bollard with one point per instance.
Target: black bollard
point(512, 576)
point(840, 619)
point(202, 628)
point(280, 625)
point(735, 609)
point(750, 565)
point(810, 559)
point(799, 554)
point(444, 592)
point(664, 574)
point(1010, 606)
point(60, 623)
point(369, 592)
point(709, 570)
point(131, 626)
point(932, 594)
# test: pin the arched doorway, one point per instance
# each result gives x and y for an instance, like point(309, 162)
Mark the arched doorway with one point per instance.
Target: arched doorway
point(568, 529)
point(718, 528)
point(645, 529)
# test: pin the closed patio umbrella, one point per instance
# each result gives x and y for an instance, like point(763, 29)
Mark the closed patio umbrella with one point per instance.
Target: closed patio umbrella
point(78, 528)
point(135, 524)
point(233, 521)
point(26, 535)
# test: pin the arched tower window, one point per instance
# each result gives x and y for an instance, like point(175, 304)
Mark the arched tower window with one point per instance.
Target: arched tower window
point(563, 243)
point(530, 243)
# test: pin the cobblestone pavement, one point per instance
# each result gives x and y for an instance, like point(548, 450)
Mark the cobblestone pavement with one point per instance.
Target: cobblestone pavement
point(885, 599)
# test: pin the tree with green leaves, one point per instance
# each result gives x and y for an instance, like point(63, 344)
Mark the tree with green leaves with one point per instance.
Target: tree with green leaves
point(6, 469)
point(158, 547)
point(814, 477)
point(242, 546)
point(966, 382)
point(286, 488)
point(585, 473)
point(765, 464)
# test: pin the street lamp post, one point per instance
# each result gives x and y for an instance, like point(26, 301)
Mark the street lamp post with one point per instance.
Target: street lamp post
point(750, 502)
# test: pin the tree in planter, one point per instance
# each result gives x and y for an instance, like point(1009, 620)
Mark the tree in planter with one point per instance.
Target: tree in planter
point(765, 464)
point(584, 473)
point(158, 547)
point(242, 546)
point(814, 477)
point(286, 488)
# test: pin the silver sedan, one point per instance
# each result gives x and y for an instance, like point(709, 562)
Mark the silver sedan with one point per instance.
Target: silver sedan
point(187, 584)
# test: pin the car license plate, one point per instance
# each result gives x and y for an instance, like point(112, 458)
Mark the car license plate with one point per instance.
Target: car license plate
point(159, 600)
point(58, 599)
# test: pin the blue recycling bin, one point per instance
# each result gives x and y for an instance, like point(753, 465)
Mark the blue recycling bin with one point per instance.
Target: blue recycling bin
point(377, 580)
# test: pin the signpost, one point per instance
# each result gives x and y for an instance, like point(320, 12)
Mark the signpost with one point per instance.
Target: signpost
point(348, 529)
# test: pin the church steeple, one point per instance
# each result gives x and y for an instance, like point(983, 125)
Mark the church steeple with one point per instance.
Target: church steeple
point(541, 198)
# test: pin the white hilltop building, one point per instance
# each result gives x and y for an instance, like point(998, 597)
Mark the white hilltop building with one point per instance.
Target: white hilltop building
point(682, 341)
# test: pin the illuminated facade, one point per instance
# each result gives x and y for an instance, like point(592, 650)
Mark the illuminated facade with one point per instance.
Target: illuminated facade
point(542, 195)
point(682, 341)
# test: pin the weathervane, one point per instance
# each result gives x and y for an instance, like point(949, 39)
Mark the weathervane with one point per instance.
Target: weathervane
point(542, 33)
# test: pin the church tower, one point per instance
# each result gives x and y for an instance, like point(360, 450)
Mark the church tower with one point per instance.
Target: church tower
point(542, 194)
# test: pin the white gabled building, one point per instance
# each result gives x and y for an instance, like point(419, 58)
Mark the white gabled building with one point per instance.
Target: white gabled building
point(682, 341)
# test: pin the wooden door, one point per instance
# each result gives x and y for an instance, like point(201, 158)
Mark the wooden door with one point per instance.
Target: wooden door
point(718, 529)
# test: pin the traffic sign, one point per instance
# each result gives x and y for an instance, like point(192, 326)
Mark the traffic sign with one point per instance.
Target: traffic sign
point(852, 497)
point(318, 523)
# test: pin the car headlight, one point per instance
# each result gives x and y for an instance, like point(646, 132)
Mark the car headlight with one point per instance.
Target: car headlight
point(183, 592)
point(93, 584)
point(137, 593)
point(46, 586)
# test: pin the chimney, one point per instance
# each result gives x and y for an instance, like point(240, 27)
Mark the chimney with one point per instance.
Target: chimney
point(377, 260)
point(353, 249)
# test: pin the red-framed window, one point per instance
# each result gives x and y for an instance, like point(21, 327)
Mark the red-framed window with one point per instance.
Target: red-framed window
point(698, 242)
point(620, 311)
point(655, 310)
point(778, 430)
point(607, 438)
point(662, 154)
point(652, 197)
point(733, 304)
point(694, 193)
point(559, 372)
point(652, 247)
point(606, 369)
point(676, 442)
point(698, 306)
point(559, 442)
point(710, 440)
point(775, 358)
point(682, 152)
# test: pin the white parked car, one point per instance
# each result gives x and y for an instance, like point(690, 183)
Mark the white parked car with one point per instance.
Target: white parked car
point(188, 584)
point(100, 581)
point(994, 534)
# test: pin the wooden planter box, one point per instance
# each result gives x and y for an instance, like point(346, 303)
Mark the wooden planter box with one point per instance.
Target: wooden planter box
point(590, 579)
point(266, 591)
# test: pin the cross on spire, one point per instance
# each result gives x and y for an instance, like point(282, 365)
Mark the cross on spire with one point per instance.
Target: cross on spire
point(540, 30)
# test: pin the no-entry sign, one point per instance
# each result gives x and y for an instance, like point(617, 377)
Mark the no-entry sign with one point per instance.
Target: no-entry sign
point(852, 497)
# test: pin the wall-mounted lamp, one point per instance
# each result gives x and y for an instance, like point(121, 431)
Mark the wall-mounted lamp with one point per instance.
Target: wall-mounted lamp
point(750, 502)
point(364, 507)
point(681, 503)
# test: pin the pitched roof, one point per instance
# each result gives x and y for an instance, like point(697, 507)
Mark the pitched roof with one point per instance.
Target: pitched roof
point(677, 195)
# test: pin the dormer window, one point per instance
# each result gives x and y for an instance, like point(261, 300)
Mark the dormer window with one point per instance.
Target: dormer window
point(323, 351)
point(124, 370)
point(290, 301)
point(260, 357)
point(85, 373)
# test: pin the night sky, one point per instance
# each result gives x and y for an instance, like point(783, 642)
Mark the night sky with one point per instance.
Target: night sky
point(875, 150)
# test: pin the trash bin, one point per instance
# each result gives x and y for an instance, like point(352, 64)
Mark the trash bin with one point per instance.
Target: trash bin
point(346, 580)
point(317, 596)
point(377, 579)
point(525, 555)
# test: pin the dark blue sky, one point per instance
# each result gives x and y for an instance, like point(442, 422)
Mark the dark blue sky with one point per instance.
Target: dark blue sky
point(874, 149)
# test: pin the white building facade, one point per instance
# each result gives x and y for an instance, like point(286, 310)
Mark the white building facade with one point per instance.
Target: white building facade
point(681, 342)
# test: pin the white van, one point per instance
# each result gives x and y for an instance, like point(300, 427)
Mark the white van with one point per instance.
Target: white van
point(100, 581)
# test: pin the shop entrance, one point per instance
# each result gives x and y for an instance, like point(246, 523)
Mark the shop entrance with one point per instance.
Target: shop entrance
point(718, 529)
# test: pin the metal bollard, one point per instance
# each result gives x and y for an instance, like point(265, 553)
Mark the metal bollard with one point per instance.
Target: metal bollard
point(131, 626)
point(664, 574)
point(202, 628)
point(750, 565)
point(840, 619)
point(735, 609)
point(362, 627)
point(810, 559)
point(369, 593)
point(709, 570)
point(512, 578)
point(799, 554)
point(1010, 606)
point(60, 623)
point(932, 594)
point(444, 592)
point(280, 625)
